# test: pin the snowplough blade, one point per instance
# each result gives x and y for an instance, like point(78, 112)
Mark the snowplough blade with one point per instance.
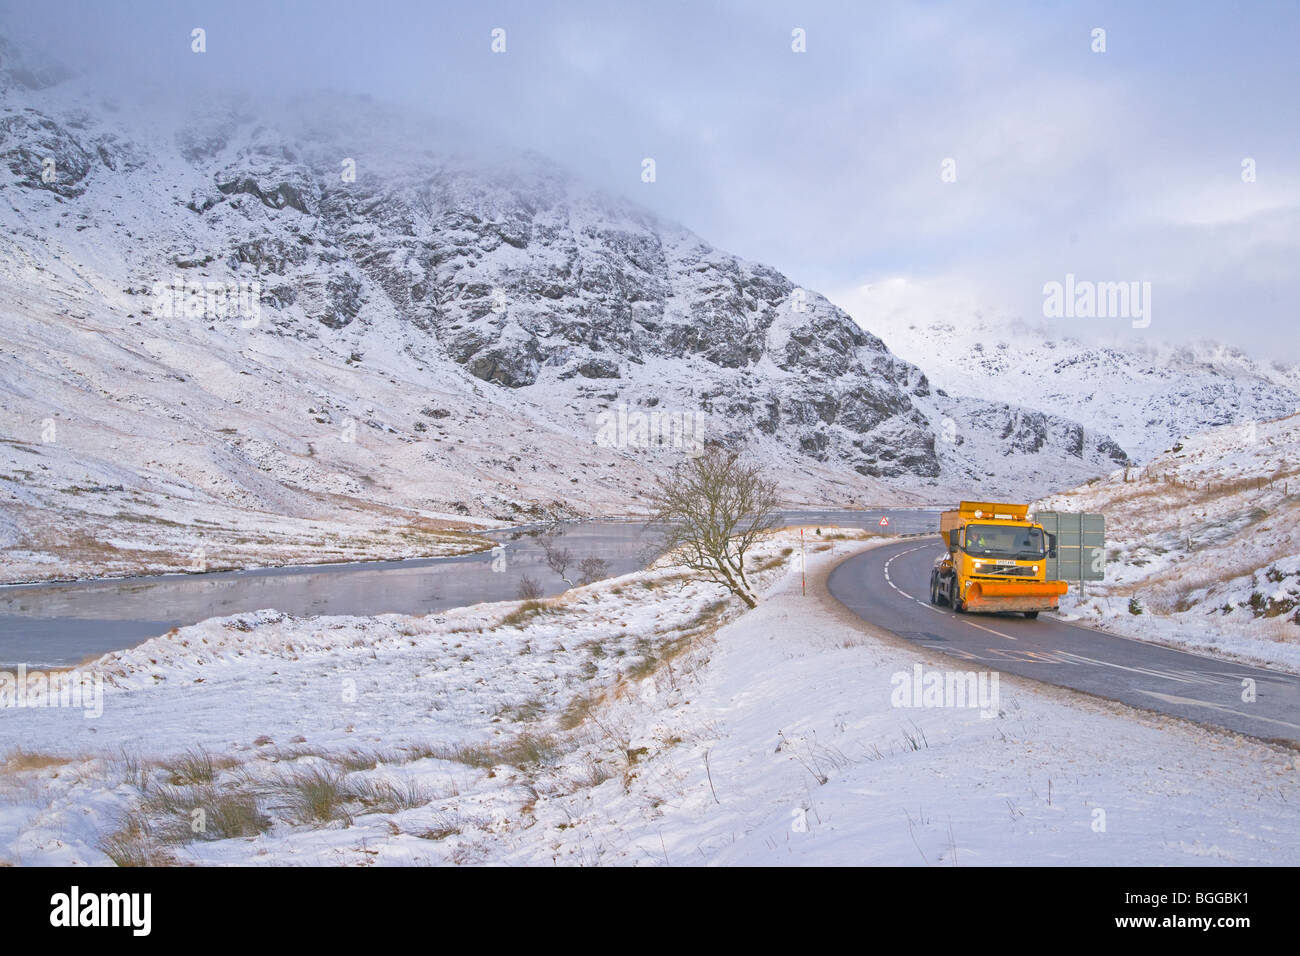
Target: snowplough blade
point(1014, 595)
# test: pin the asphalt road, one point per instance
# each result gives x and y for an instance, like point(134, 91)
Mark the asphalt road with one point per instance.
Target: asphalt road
point(890, 587)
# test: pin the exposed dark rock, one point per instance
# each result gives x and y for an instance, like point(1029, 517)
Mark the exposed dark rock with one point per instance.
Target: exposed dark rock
point(37, 149)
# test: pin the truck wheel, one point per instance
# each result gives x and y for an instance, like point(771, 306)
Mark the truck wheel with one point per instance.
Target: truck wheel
point(1032, 615)
point(934, 589)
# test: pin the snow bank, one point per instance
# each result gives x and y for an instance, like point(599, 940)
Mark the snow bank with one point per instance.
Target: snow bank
point(643, 720)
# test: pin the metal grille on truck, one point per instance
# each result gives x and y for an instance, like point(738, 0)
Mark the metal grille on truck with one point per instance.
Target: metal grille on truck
point(1007, 572)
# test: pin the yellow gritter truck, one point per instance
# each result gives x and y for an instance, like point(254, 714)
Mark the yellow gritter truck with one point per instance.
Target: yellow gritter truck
point(996, 561)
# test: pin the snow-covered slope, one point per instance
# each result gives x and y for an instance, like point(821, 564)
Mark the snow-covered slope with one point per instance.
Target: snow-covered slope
point(1145, 397)
point(1203, 543)
point(643, 720)
point(422, 333)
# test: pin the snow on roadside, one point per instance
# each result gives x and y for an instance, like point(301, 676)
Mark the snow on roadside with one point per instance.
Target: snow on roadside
point(1202, 545)
point(642, 720)
point(792, 753)
point(266, 695)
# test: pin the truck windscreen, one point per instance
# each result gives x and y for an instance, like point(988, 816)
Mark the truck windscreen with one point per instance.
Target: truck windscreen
point(1004, 541)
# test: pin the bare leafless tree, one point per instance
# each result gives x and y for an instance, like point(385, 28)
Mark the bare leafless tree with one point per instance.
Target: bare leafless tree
point(591, 569)
point(711, 510)
point(529, 589)
point(558, 558)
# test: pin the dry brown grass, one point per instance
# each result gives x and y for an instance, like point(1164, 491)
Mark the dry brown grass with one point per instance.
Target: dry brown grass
point(666, 580)
point(1175, 588)
point(135, 843)
point(652, 658)
point(1167, 589)
point(1161, 481)
point(524, 613)
point(319, 795)
point(196, 766)
point(1248, 550)
point(350, 760)
point(18, 760)
point(1280, 631)
point(579, 707)
point(770, 562)
point(444, 825)
point(227, 814)
point(173, 814)
point(523, 712)
point(522, 751)
point(851, 534)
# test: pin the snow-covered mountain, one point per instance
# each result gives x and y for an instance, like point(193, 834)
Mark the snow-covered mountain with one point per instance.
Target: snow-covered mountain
point(318, 309)
point(1146, 396)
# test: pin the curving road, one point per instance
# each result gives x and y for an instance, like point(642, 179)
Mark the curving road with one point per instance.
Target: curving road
point(890, 587)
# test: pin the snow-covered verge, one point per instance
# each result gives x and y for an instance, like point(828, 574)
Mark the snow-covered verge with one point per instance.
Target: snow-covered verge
point(1202, 544)
point(642, 720)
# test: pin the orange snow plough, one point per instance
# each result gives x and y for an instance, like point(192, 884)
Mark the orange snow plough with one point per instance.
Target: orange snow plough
point(996, 560)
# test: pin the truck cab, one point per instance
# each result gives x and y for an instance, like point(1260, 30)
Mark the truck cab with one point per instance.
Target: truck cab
point(996, 560)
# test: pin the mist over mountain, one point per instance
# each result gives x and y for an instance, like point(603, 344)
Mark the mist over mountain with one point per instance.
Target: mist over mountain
point(292, 307)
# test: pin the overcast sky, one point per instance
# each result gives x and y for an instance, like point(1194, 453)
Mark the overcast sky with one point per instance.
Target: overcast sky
point(1117, 166)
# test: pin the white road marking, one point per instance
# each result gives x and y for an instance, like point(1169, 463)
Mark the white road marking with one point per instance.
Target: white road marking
point(926, 604)
point(1182, 676)
point(1185, 676)
point(989, 629)
point(1193, 702)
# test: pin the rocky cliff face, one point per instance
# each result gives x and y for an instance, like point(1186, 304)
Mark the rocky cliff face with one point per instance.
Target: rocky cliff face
point(525, 282)
point(387, 272)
